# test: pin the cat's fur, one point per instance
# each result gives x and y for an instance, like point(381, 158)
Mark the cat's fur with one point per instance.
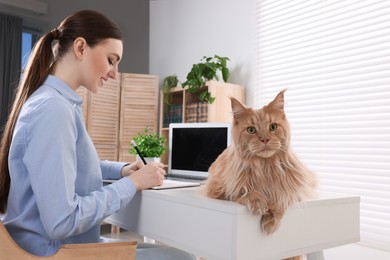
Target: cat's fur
point(259, 168)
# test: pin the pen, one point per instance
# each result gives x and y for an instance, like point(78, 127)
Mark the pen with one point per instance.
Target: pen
point(139, 153)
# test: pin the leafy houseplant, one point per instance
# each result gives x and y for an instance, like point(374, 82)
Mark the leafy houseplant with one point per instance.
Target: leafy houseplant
point(204, 71)
point(150, 145)
point(169, 82)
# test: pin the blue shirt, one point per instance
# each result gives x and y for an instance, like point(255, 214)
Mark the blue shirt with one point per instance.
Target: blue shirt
point(56, 195)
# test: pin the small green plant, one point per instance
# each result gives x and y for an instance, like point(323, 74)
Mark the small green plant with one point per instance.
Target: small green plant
point(168, 83)
point(150, 145)
point(204, 71)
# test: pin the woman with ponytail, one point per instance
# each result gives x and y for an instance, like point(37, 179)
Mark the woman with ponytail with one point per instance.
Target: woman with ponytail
point(51, 188)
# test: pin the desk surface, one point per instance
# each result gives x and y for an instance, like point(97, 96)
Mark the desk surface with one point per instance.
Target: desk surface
point(218, 229)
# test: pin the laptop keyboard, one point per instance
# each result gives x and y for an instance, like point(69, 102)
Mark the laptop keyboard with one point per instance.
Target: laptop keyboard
point(187, 177)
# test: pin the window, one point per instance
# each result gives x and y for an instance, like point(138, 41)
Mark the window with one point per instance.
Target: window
point(29, 37)
point(334, 58)
point(26, 47)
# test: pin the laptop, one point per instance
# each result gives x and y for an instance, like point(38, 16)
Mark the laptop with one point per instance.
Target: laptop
point(193, 147)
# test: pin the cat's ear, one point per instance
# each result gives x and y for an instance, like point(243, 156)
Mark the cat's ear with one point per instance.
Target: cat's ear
point(238, 109)
point(278, 102)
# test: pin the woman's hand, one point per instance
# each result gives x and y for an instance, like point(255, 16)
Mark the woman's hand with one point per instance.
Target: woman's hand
point(131, 168)
point(147, 176)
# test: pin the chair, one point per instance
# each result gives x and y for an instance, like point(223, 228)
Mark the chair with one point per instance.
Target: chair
point(9, 250)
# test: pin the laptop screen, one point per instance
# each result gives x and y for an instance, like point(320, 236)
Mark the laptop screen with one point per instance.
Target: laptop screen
point(193, 147)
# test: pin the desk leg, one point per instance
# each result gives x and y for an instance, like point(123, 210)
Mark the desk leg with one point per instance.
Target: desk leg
point(115, 230)
point(316, 256)
point(149, 240)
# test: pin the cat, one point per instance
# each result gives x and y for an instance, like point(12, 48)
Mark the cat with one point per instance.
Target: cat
point(259, 168)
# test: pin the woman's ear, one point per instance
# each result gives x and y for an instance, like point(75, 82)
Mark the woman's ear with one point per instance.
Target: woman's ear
point(79, 46)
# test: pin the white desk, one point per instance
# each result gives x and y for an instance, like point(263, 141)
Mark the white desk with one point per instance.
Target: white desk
point(223, 230)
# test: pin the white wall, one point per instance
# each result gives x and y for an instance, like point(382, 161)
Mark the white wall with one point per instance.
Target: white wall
point(183, 31)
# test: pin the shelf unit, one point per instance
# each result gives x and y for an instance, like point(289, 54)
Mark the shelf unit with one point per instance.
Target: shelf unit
point(186, 107)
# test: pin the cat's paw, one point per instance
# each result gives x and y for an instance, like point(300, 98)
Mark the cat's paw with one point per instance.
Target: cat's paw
point(269, 223)
point(256, 207)
point(255, 203)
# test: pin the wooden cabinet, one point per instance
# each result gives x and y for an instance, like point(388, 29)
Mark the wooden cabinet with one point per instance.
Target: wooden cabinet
point(139, 108)
point(121, 108)
point(186, 107)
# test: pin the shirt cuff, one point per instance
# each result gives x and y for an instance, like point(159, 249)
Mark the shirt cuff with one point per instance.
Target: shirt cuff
point(112, 170)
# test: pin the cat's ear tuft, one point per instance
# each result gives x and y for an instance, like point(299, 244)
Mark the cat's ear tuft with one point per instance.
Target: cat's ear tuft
point(278, 102)
point(237, 108)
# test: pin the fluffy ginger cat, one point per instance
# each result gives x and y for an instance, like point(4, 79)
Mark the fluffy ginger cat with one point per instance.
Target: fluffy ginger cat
point(259, 169)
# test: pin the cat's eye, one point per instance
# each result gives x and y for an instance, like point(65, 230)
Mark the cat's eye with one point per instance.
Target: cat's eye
point(251, 130)
point(273, 127)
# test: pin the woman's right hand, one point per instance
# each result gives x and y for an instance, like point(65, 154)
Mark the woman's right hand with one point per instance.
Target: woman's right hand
point(150, 175)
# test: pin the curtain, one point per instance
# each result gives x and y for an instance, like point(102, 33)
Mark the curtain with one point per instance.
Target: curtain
point(334, 59)
point(10, 62)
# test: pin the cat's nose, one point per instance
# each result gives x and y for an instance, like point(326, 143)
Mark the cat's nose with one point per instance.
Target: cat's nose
point(265, 140)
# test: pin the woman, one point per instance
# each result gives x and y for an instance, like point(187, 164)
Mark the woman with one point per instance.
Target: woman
point(51, 177)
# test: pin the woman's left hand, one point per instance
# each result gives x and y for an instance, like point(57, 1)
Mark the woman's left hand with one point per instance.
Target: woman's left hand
point(131, 168)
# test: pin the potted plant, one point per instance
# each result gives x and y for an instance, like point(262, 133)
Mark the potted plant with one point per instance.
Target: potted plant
point(168, 83)
point(206, 70)
point(150, 145)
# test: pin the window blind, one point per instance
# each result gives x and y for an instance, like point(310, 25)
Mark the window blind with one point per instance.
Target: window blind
point(334, 59)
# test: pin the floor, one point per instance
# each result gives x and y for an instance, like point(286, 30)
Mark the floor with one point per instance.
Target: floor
point(122, 235)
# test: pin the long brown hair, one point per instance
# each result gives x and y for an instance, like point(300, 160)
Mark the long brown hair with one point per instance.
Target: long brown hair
point(94, 28)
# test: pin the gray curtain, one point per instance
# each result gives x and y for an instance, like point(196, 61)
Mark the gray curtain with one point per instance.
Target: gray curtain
point(10, 62)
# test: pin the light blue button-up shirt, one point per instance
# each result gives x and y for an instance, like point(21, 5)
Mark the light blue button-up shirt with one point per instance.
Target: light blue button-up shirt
point(56, 195)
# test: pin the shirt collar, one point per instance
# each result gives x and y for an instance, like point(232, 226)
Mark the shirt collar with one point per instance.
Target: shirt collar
point(64, 89)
